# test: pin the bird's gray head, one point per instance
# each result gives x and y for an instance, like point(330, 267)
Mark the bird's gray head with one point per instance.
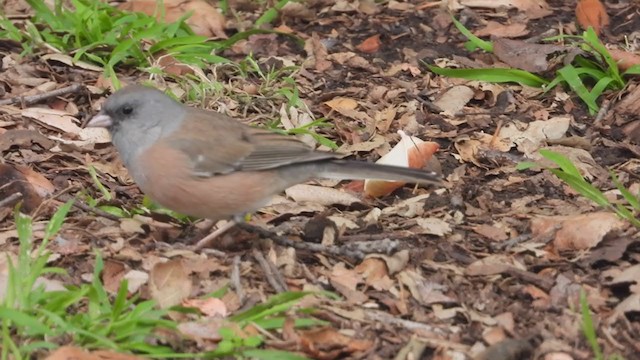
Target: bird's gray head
point(137, 116)
point(136, 107)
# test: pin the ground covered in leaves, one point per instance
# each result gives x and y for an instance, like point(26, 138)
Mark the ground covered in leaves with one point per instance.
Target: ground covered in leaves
point(489, 266)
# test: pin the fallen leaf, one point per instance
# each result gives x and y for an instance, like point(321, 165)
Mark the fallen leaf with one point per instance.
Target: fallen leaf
point(210, 306)
point(370, 44)
point(577, 232)
point(434, 226)
point(205, 20)
point(169, 283)
point(327, 343)
point(592, 13)
point(320, 195)
point(74, 353)
point(523, 55)
point(624, 59)
point(453, 100)
point(499, 30)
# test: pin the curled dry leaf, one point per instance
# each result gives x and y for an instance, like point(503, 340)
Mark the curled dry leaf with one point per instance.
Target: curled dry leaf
point(592, 13)
point(410, 152)
point(370, 44)
point(205, 20)
point(328, 343)
point(624, 59)
point(71, 352)
point(577, 232)
point(210, 306)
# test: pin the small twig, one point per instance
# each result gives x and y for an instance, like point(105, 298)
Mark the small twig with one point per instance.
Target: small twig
point(82, 206)
point(365, 237)
point(208, 240)
point(527, 276)
point(277, 275)
point(10, 199)
point(604, 110)
point(32, 99)
point(268, 273)
point(235, 279)
point(386, 318)
point(282, 241)
point(511, 242)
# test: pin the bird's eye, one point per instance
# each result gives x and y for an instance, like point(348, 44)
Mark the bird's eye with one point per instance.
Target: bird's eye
point(127, 110)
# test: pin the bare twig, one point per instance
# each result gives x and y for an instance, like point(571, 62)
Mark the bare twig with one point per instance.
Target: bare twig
point(532, 278)
point(512, 242)
point(268, 271)
point(82, 206)
point(604, 110)
point(32, 99)
point(10, 199)
point(357, 251)
point(235, 279)
point(386, 318)
point(208, 240)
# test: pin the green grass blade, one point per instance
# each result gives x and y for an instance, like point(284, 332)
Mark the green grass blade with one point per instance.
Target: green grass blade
point(272, 355)
point(588, 329)
point(572, 78)
point(493, 75)
point(484, 45)
point(32, 325)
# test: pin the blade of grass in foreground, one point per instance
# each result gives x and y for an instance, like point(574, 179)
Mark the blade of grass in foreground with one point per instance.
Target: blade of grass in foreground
point(493, 75)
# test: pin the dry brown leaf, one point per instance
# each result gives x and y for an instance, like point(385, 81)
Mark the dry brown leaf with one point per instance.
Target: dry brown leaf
point(523, 55)
point(592, 13)
point(370, 44)
point(345, 282)
point(341, 104)
point(490, 265)
point(454, 99)
point(210, 306)
point(424, 291)
point(112, 275)
point(577, 232)
point(20, 179)
point(508, 349)
point(317, 54)
point(499, 30)
point(205, 19)
point(327, 343)
point(41, 184)
point(533, 9)
point(433, 226)
point(375, 273)
point(491, 232)
point(68, 60)
point(74, 353)
point(24, 139)
point(205, 329)
point(528, 137)
point(624, 58)
point(169, 283)
point(321, 195)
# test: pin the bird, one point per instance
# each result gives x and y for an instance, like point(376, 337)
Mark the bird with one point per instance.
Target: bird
point(206, 164)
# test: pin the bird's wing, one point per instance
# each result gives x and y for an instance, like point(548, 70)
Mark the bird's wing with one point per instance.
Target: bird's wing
point(217, 144)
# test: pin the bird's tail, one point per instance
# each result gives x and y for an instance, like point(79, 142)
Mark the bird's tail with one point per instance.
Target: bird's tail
point(358, 170)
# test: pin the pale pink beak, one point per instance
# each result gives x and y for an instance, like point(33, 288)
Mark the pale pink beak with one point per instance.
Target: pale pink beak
point(100, 120)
